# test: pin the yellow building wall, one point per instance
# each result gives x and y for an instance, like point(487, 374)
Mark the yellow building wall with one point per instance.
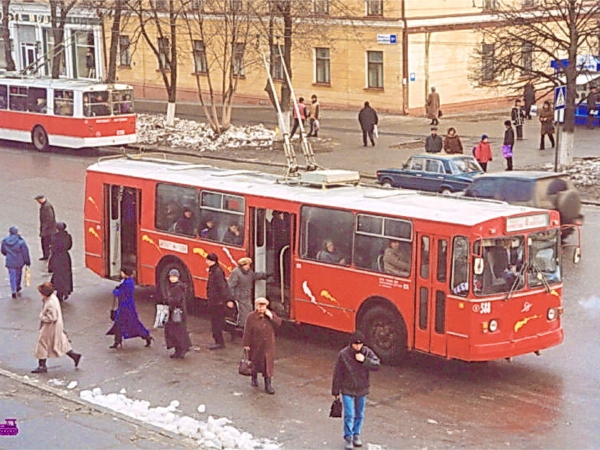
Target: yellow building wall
point(440, 58)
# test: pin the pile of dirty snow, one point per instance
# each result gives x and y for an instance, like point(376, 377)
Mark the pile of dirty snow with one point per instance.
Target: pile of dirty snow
point(152, 130)
point(214, 433)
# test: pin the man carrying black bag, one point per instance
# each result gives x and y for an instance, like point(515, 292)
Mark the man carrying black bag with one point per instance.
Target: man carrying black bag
point(351, 378)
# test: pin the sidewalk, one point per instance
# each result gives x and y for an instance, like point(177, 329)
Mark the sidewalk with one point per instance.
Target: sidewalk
point(340, 143)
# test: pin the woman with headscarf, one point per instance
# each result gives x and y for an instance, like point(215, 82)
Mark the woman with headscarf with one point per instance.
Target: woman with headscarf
point(241, 284)
point(52, 342)
point(126, 324)
point(176, 334)
point(259, 341)
point(60, 262)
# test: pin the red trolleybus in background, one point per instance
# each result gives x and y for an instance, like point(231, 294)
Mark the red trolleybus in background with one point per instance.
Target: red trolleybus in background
point(66, 113)
point(462, 279)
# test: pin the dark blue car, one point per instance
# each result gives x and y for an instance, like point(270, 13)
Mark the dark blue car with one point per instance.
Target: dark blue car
point(433, 172)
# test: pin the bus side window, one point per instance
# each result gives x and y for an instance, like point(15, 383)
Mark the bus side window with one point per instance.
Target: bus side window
point(3, 96)
point(18, 98)
point(37, 100)
point(327, 235)
point(63, 103)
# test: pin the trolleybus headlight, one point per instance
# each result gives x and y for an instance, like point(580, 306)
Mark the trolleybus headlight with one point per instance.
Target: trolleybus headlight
point(493, 325)
point(551, 314)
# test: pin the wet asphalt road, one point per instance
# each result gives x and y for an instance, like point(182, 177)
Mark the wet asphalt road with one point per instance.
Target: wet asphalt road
point(552, 401)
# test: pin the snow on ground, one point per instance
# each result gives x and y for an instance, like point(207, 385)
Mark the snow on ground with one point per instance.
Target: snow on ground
point(191, 134)
point(214, 433)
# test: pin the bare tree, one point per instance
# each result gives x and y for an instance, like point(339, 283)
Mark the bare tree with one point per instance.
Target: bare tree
point(521, 46)
point(10, 62)
point(59, 11)
point(224, 55)
point(115, 34)
point(157, 19)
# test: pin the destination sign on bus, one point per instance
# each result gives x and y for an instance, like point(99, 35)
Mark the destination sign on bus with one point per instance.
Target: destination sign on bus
point(527, 222)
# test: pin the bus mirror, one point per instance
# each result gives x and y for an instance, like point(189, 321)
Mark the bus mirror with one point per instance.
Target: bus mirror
point(577, 255)
point(478, 266)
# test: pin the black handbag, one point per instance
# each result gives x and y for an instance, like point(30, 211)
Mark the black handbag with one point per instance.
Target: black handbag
point(245, 366)
point(113, 314)
point(336, 408)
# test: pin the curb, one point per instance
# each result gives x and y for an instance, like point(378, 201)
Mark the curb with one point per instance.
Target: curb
point(101, 409)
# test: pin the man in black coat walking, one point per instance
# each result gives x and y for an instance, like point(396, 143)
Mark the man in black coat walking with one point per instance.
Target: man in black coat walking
point(351, 379)
point(367, 117)
point(217, 294)
point(47, 225)
point(508, 144)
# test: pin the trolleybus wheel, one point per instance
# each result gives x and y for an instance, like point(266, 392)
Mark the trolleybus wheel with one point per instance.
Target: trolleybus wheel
point(385, 332)
point(40, 139)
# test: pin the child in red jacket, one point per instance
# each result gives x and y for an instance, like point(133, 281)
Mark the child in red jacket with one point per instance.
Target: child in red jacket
point(483, 152)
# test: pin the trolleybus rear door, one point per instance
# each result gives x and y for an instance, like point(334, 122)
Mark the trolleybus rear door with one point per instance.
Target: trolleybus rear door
point(123, 224)
point(432, 286)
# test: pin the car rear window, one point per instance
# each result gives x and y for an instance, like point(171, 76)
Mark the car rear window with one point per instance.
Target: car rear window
point(515, 190)
point(483, 188)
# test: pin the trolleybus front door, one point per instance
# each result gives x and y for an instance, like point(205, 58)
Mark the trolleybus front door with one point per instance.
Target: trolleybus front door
point(273, 234)
point(431, 293)
point(123, 223)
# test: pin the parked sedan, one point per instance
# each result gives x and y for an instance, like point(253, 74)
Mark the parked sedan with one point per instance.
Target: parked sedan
point(437, 172)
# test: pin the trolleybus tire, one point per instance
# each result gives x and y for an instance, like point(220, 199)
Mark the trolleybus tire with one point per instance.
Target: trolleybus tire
point(385, 333)
point(39, 137)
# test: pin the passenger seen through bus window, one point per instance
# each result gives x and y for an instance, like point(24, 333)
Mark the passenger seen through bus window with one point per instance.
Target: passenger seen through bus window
point(233, 235)
point(186, 224)
point(87, 106)
point(330, 254)
point(209, 231)
point(100, 106)
point(396, 258)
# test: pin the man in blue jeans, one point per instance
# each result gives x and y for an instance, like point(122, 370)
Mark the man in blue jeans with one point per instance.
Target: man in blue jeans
point(351, 378)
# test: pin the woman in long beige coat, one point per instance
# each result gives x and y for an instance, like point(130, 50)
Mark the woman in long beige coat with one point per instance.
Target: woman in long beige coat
point(52, 342)
point(433, 106)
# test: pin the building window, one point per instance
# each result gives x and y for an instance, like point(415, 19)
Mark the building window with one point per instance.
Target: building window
point(489, 4)
point(526, 59)
point(277, 63)
point(160, 5)
point(321, 6)
point(198, 5)
point(163, 54)
point(124, 55)
point(375, 70)
point(200, 65)
point(86, 54)
point(238, 60)
point(235, 5)
point(487, 62)
point(528, 3)
point(374, 7)
point(49, 38)
point(323, 74)
point(2, 55)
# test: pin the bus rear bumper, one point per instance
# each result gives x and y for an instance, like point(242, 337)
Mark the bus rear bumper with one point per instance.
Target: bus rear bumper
point(516, 347)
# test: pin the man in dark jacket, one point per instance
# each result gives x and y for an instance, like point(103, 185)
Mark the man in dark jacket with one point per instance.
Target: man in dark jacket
point(367, 117)
point(434, 142)
point(16, 251)
point(47, 225)
point(351, 379)
point(217, 294)
point(508, 144)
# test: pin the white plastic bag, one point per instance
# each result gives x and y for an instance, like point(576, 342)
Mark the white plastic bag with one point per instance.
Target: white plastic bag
point(162, 314)
point(375, 131)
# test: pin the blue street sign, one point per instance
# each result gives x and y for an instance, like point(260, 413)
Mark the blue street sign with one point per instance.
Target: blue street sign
point(560, 97)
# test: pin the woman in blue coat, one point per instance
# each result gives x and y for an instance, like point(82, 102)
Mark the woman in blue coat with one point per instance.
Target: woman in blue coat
point(16, 251)
point(126, 321)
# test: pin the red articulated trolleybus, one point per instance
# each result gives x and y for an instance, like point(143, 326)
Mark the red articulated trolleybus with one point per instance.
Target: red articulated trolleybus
point(66, 113)
point(462, 279)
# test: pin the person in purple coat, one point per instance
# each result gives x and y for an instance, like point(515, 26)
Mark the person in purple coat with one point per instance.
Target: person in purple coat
point(126, 324)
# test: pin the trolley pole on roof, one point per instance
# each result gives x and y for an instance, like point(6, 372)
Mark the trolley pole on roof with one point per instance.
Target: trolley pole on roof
point(290, 154)
point(307, 150)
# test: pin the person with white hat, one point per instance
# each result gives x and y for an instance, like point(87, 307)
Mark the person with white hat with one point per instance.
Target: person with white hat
point(259, 340)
